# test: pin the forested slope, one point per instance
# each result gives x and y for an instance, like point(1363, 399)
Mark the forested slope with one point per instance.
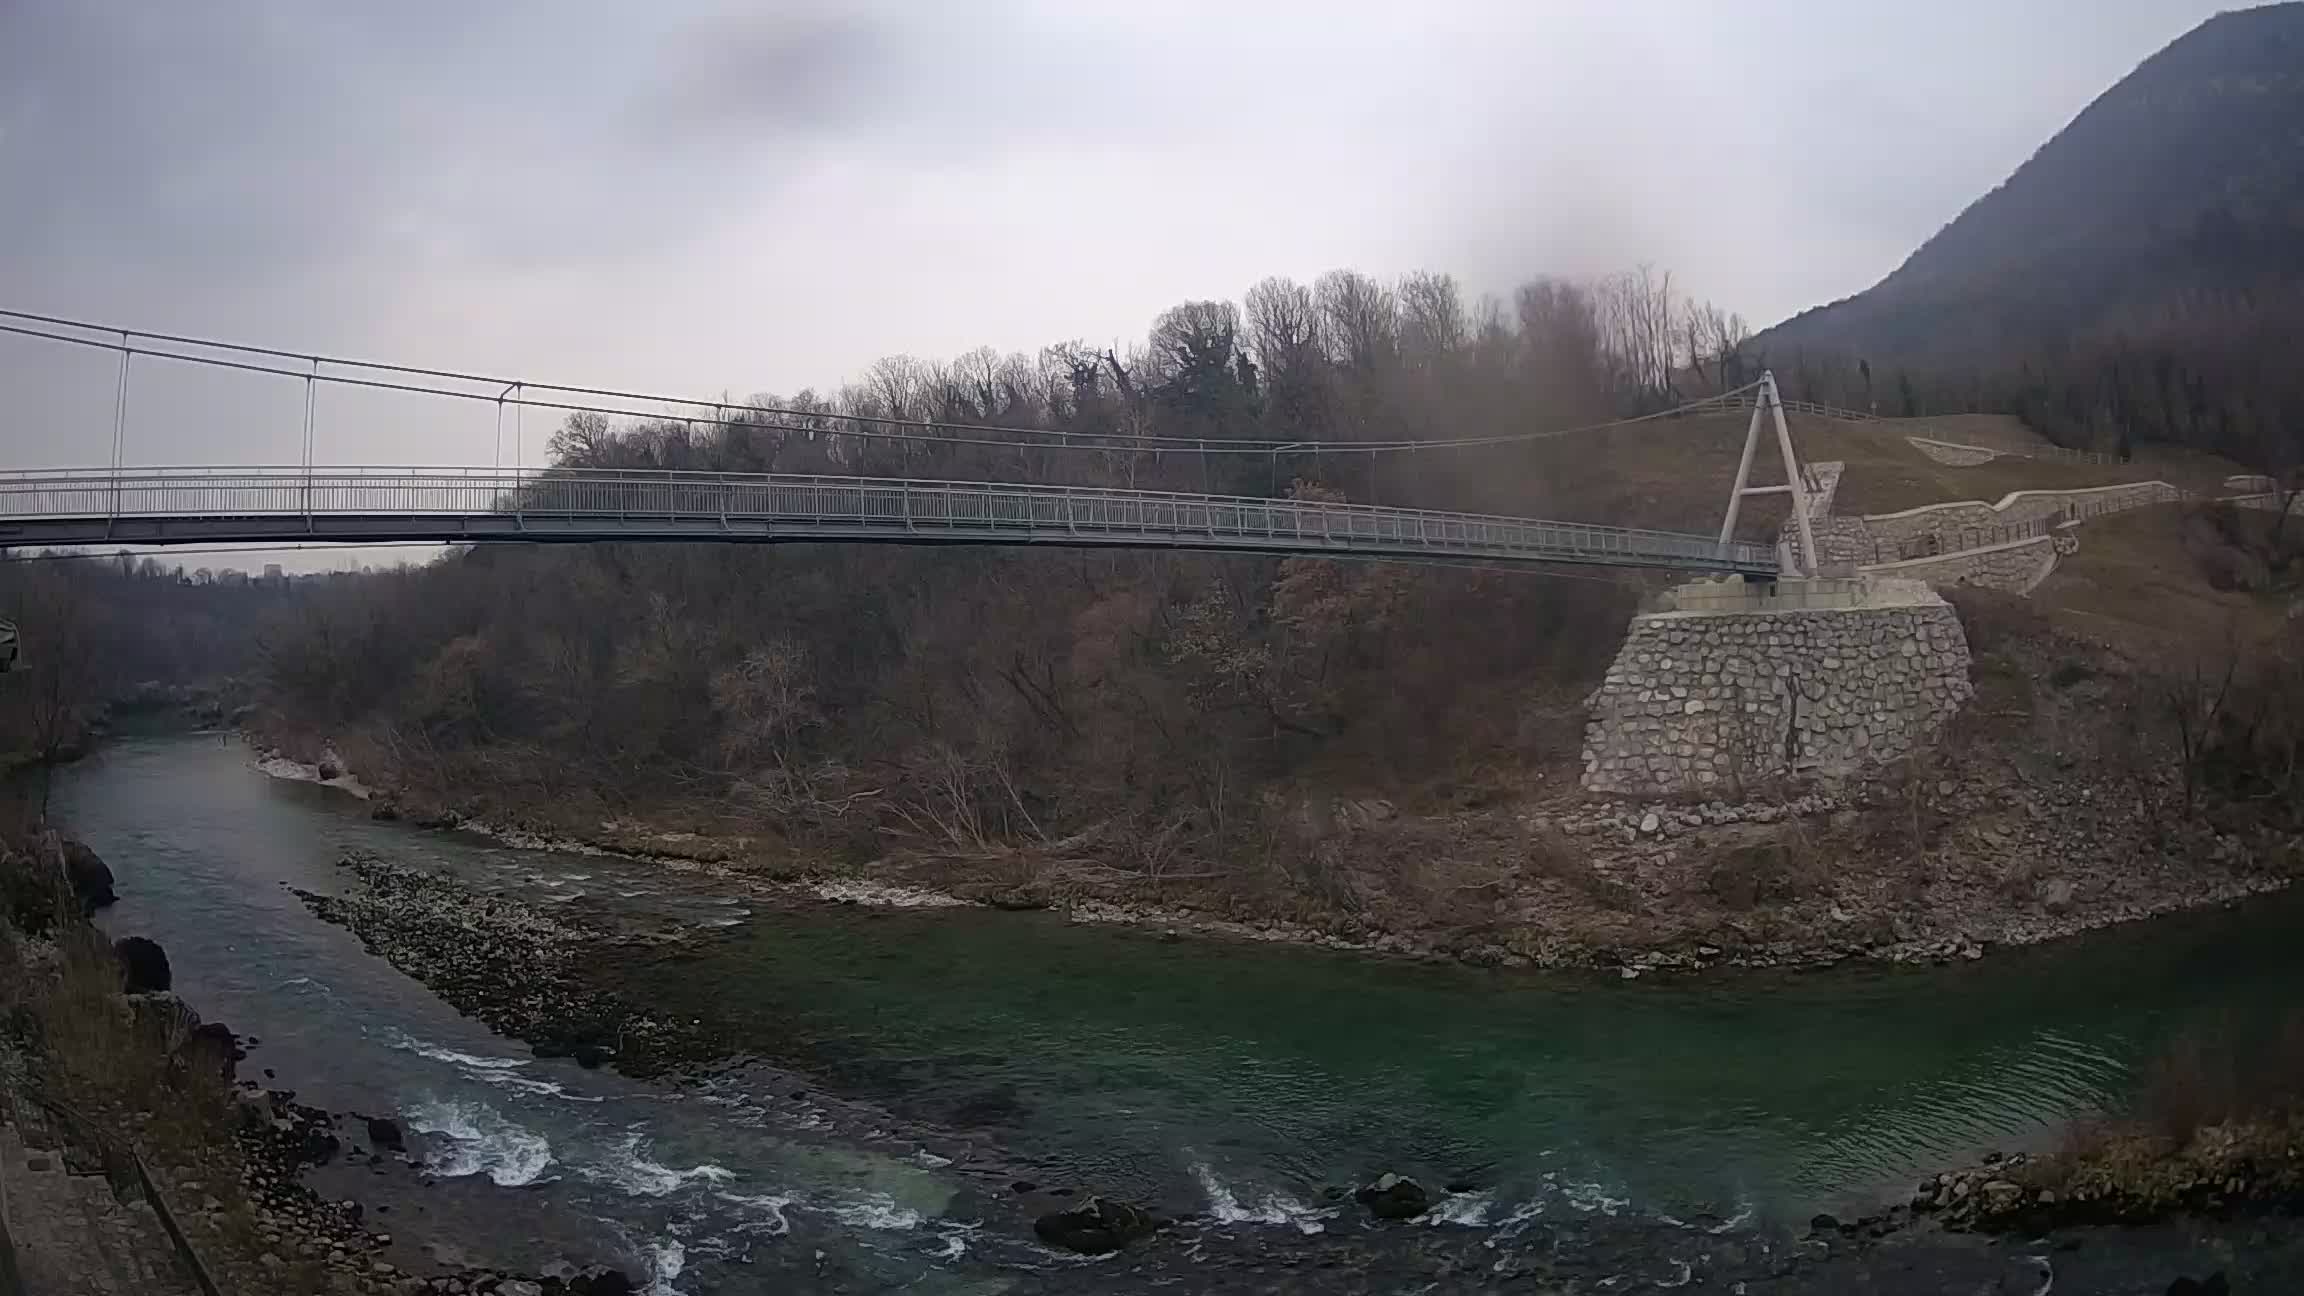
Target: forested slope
point(2140, 278)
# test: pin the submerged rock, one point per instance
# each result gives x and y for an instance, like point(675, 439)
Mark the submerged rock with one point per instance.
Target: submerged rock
point(89, 876)
point(600, 1280)
point(1097, 1226)
point(143, 965)
point(1394, 1197)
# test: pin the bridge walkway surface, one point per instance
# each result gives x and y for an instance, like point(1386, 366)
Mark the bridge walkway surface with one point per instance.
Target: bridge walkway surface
point(157, 506)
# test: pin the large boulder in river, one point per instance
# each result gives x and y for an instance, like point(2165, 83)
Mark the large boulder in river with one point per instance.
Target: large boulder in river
point(210, 1048)
point(143, 965)
point(384, 1133)
point(90, 878)
point(1394, 1197)
point(1097, 1226)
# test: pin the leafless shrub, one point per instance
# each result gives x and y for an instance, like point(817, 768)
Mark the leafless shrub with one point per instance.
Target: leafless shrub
point(2222, 1073)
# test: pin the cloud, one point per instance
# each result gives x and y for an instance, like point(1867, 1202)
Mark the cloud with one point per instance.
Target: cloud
point(720, 195)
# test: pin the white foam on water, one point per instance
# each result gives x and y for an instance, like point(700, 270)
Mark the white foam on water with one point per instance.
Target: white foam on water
point(437, 1053)
point(951, 1243)
point(1470, 1210)
point(1743, 1216)
point(875, 1211)
point(1275, 1208)
point(518, 1083)
point(928, 1160)
point(665, 1261)
point(767, 1212)
point(630, 1168)
point(627, 895)
point(721, 922)
point(894, 897)
point(1516, 1222)
point(1590, 1197)
point(480, 1141)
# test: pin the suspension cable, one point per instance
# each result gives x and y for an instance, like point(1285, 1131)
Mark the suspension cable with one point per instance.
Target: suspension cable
point(1046, 438)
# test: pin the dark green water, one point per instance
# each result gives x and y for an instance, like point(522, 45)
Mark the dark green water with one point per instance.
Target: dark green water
point(1284, 1070)
point(1236, 1080)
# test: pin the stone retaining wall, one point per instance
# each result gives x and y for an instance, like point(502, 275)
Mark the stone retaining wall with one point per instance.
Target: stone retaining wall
point(1701, 701)
point(1823, 480)
point(2016, 567)
point(1844, 539)
point(1957, 456)
point(1947, 521)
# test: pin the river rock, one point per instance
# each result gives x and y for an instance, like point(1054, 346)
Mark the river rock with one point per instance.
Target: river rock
point(2056, 895)
point(1394, 1197)
point(600, 1280)
point(143, 965)
point(210, 1049)
point(384, 1134)
point(518, 1287)
point(1097, 1226)
point(329, 769)
point(89, 876)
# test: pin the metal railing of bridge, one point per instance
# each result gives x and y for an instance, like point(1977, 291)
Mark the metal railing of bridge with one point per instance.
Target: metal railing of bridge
point(174, 505)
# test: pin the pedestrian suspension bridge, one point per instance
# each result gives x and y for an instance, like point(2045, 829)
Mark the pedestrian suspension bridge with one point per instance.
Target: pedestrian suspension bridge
point(120, 504)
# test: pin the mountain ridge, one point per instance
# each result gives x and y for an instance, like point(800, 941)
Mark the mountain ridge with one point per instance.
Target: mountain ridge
point(2186, 175)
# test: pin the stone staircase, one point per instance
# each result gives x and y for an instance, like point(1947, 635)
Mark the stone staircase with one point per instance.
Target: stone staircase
point(72, 1236)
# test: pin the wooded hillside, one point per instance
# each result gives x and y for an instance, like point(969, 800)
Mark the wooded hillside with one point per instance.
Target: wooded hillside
point(2140, 278)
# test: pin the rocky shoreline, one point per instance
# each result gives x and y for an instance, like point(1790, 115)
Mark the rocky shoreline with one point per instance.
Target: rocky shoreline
point(1837, 936)
point(2018, 859)
point(510, 966)
point(295, 1226)
point(433, 920)
point(1394, 1230)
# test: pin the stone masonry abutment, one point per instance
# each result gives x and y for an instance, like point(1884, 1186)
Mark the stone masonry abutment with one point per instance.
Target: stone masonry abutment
point(1731, 683)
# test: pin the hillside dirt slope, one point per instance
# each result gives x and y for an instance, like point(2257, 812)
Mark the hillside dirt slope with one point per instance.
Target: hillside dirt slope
point(1674, 474)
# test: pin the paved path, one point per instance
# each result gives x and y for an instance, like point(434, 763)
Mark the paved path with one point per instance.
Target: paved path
point(72, 1236)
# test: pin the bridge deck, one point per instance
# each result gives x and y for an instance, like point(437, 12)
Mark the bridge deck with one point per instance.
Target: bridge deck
point(148, 506)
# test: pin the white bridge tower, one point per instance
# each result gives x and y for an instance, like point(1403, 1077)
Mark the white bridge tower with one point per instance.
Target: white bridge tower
point(1767, 404)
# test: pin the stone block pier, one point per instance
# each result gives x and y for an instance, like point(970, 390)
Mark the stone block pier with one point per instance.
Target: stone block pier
point(1733, 682)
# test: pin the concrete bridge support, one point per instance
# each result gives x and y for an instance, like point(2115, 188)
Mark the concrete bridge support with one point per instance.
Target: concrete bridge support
point(1733, 683)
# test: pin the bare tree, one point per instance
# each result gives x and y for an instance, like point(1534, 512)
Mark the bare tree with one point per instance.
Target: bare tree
point(1640, 335)
point(1561, 345)
point(1360, 321)
point(1433, 325)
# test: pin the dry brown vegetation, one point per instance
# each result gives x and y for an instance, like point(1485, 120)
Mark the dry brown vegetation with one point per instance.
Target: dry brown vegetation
point(1080, 720)
point(113, 1076)
point(2217, 1121)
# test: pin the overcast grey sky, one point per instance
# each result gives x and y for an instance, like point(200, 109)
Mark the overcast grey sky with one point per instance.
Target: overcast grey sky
point(696, 196)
